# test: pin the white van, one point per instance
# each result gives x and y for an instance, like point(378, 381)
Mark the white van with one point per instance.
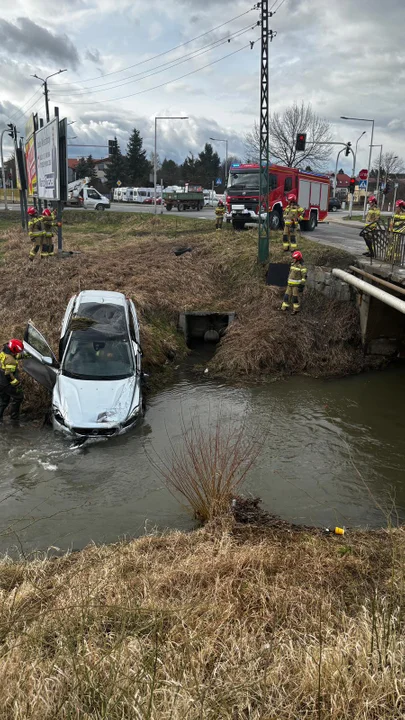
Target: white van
point(89, 198)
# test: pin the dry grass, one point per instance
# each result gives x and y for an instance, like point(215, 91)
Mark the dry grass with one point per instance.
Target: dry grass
point(209, 467)
point(226, 622)
point(134, 254)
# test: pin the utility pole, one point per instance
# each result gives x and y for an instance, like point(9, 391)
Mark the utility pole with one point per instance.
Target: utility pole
point(264, 226)
point(44, 82)
point(3, 170)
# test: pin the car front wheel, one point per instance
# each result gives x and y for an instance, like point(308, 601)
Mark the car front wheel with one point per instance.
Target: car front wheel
point(334, 208)
point(100, 208)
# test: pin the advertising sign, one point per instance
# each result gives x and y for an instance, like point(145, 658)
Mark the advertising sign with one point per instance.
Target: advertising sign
point(31, 165)
point(30, 126)
point(47, 154)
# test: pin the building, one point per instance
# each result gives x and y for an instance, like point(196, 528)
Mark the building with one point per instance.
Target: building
point(72, 164)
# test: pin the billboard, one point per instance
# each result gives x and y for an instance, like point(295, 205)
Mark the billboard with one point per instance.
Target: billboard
point(31, 165)
point(47, 154)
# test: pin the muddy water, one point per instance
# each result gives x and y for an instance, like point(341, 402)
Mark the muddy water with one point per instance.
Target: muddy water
point(334, 454)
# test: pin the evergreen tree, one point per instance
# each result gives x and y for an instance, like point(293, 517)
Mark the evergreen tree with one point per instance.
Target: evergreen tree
point(208, 166)
point(91, 171)
point(170, 172)
point(82, 168)
point(116, 169)
point(137, 163)
point(189, 170)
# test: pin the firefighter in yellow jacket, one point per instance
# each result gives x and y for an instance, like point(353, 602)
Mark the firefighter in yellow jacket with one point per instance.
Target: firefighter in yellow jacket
point(397, 227)
point(49, 223)
point(292, 215)
point(296, 282)
point(35, 231)
point(372, 220)
point(219, 215)
point(10, 388)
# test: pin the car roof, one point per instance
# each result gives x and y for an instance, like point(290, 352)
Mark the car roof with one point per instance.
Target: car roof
point(101, 296)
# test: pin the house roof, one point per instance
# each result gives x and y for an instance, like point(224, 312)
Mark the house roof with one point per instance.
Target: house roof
point(72, 163)
point(343, 180)
point(101, 160)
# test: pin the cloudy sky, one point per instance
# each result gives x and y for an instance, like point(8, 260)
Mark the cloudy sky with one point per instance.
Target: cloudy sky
point(128, 61)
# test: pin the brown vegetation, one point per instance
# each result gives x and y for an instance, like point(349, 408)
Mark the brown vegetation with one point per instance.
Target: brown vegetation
point(227, 622)
point(134, 254)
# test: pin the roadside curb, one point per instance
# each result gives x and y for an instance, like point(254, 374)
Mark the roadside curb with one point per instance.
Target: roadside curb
point(345, 223)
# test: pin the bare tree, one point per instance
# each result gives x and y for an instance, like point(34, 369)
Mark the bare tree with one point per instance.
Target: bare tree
point(282, 137)
point(391, 164)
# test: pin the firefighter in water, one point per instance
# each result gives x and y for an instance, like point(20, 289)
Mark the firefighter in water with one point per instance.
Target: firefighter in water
point(49, 223)
point(296, 282)
point(372, 220)
point(219, 215)
point(292, 215)
point(35, 231)
point(10, 388)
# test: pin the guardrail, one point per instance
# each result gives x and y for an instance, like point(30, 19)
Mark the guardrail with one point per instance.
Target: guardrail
point(386, 246)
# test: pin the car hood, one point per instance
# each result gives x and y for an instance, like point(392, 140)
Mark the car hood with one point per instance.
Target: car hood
point(95, 403)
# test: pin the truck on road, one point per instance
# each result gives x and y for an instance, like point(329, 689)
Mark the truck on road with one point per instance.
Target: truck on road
point(80, 194)
point(187, 198)
point(242, 195)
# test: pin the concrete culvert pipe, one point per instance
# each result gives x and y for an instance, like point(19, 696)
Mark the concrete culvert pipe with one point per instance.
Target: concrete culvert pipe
point(211, 336)
point(375, 292)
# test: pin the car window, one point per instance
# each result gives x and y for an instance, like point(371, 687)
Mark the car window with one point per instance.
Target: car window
point(93, 194)
point(272, 181)
point(105, 358)
point(288, 184)
point(34, 338)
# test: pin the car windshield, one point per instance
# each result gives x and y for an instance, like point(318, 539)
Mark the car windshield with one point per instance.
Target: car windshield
point(99, 346)
point(244, 179)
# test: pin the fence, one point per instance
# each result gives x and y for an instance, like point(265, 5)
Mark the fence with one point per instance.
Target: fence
point(386, 246)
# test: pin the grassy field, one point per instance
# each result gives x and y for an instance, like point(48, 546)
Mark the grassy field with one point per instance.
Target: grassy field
point(133, 253)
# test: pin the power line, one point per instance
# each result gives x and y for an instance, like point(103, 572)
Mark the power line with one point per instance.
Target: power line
point(162, 68)
point(166, 52)
point(20, 110)
point(168, 82)
point(278, 8)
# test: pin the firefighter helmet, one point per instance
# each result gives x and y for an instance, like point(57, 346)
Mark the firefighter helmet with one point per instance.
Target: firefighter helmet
point(32, 210)
point(47, 212)
point(15, 346)
point(292, 197)
point(296, 255)
point(399, 203)
point(372, 199)
point(220, 203)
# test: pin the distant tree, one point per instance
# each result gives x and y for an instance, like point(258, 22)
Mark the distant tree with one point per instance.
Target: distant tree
point(208, 166)
point(189, 170)
point(341, 171)
point(170, 172)
point(82, 168)
point(137, 163)
point(9, 166)
point(283, 132)
point(116, 169)
point(391, 164)
point(308, 168)
point(91, 170)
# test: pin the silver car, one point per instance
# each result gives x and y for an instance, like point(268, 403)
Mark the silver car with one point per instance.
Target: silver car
point(96, 385)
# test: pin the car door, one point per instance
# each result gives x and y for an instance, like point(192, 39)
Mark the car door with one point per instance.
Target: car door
point(42, 364)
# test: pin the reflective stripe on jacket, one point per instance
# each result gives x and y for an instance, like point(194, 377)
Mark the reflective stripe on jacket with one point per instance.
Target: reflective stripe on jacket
point(8, 368)
point(48, 224)
point(298, 275)
point(220, 211)
point(373, 217)
point(293, 214)
point(35, 228)
point(398, 223)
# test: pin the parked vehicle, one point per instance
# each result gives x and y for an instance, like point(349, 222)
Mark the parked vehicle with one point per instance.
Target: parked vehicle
point(242, 197)
point(81, 194)
point(210, 197)
point(96, 384)
point(189, 198)
point(334, 204)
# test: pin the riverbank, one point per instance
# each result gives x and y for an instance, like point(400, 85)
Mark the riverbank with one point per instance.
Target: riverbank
point(229, 621)
point(135, 254)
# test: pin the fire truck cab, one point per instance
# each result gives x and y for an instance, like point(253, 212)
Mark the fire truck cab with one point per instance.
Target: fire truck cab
point(242, 195)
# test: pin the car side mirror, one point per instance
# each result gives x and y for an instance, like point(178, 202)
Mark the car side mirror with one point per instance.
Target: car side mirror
point(48, 360)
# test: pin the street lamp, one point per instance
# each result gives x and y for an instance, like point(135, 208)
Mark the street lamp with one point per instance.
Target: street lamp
point(161, 117)
point(3, 181)
point(378, 173)
point(343, 117)
point(46, 92)
point(354, 173)
point(226, 158)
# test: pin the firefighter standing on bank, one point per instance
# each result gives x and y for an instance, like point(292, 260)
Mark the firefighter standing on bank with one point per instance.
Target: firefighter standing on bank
point(49, 223)
point(219, 215)
point(372, 220)
point(397, 227)
point(10, 387)
point(292, 215)
point(296, 282)
point(35, 231)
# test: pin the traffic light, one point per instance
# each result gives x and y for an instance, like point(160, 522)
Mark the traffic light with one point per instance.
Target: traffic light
point(352, 185)
point(13, 131)
point(112, 147)
point(301, 142)
point(348, 148)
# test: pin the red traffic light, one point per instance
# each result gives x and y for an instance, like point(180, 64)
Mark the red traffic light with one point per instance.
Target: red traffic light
point(352, 185)
point(300, 142)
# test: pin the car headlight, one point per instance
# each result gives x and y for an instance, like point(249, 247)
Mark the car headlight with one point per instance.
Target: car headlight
point(132, 416)
point(58, 415)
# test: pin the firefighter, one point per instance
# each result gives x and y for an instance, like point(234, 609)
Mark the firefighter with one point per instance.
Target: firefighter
point(372, 220)
point(219, 215)
point(296, 282)
point(10, 388)
point(35, 231)
point(292, 216)
point(49, 223)
point(397, 227)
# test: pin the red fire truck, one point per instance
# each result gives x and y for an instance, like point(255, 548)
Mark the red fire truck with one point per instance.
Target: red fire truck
point(242, 195)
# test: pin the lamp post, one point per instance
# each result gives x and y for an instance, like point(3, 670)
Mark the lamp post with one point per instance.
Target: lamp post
point(44, 82)
point(3, 170)
point(161, 117)
point(344, 117)
point(226, 159)
point(354, 173)
point(336, 169)
point(378, 174)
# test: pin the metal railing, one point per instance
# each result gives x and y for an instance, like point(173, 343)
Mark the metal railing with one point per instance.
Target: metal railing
point(386, 246)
